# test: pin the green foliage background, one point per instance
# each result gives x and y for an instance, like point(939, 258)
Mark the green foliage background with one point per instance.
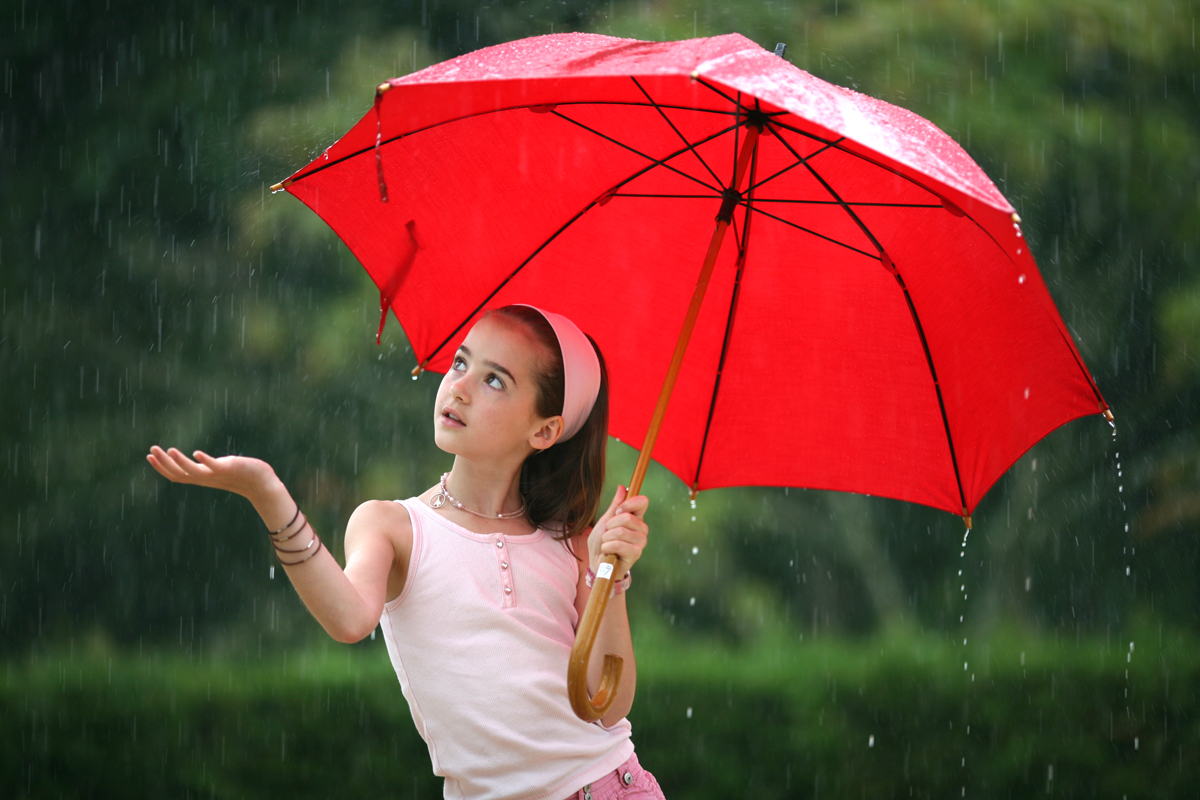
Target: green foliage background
point(152, 290)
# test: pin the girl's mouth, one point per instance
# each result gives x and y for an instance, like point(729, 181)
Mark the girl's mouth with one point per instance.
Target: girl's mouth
point(451, 419)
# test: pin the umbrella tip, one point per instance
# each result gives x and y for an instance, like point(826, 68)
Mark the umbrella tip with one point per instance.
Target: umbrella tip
point(695, 74)
point(417, 370)
point(1108, 415)
point(279, 187)
point(780, 49)
point(383, 87)
point(1016, 218)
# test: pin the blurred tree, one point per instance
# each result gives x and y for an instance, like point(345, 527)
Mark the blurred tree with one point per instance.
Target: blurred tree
point(137, 143)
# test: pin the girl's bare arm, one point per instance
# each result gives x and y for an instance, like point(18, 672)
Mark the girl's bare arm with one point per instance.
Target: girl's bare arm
point(347, 602)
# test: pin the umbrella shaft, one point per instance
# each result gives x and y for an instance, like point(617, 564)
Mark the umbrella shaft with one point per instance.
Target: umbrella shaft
point(689, 322)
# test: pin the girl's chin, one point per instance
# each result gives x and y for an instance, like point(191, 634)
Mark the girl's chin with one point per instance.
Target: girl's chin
point(445, 440)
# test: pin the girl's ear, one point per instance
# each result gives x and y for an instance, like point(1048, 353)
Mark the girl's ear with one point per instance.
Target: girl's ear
point(547, 434)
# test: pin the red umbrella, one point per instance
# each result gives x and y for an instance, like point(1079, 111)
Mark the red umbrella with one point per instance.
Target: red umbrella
point(875, 323)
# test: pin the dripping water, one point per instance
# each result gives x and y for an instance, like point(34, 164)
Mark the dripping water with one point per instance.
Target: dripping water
point(1129, 551)
point(962, 555)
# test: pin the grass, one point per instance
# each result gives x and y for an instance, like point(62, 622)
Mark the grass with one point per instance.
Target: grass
point(878, 717)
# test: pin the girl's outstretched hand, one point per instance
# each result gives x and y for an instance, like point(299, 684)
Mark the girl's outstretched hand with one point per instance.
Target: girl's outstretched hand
point(620, 532)
point(249, 477)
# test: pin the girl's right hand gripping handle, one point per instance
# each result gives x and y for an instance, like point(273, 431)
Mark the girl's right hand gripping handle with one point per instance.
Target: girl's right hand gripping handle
point(586, 707)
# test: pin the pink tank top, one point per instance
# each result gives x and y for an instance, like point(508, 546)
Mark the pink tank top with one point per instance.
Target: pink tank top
point(480, 639)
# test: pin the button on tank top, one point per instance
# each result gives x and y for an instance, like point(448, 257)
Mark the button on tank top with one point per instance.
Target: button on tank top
point(480, 638)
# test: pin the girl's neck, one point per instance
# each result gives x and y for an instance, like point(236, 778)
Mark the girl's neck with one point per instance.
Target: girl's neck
point(486, 489)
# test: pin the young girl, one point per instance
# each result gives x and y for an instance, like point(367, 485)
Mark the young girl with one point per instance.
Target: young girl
point(478, 583)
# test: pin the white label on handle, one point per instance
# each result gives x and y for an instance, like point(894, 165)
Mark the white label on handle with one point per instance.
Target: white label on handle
point(605, 570)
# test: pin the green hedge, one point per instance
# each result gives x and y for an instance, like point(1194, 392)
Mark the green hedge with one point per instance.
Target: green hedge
point(873, 719)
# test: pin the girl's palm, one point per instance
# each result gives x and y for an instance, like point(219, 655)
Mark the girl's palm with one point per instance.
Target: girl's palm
point(237, 474)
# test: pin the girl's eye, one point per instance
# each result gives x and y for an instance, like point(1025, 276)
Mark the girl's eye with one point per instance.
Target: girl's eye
point(458, 363)
point(494, 377)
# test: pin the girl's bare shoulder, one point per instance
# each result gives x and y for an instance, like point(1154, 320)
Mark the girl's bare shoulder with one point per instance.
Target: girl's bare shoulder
point(381, 518)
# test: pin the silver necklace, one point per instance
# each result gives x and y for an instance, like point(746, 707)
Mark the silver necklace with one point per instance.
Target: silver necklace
point(443, 496)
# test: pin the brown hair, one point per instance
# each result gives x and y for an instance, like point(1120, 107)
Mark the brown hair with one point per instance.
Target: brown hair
point(562, 484)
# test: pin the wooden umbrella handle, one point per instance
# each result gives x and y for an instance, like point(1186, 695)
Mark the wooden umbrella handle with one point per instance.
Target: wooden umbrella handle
point(586, 707)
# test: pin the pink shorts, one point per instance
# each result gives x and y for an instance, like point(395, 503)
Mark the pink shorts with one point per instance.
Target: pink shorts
point(627, 782)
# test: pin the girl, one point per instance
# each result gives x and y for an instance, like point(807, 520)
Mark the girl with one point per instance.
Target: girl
point(478, 583)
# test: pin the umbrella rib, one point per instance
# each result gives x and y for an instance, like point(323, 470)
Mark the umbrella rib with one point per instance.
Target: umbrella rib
point(640, 153)
point(849, 203)
point(671, 196)
point(791, 167)
point(683, 138)
point(554, 236)
point(818, 235)
point(837, 144)
point(915, 317)
point(896, 172)
point(371, 147)
point(737, 103)
point(912, 309)
point(866, 231)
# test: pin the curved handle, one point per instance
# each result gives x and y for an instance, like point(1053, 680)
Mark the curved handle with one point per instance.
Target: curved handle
point(585, 706)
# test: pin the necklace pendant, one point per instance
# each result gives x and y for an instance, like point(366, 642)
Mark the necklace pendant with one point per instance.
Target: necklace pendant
point(438, 500)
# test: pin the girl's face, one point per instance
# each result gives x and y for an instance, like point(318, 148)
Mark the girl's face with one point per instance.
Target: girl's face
point(487, 402)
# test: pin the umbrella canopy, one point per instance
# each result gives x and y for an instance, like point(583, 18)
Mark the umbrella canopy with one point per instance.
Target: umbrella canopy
point(875, 323)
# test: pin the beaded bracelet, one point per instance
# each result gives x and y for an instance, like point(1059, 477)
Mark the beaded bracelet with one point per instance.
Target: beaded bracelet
point(617, 587)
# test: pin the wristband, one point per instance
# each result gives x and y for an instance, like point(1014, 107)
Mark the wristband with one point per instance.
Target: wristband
point(617, 587)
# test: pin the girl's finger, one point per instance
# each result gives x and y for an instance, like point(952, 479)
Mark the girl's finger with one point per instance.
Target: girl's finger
point(158, 467)
point(624, 535)
point(626, 553)
point(205, 459)
point(190, 470)
point(166, 465)
point(185, 463)
point(618, 497)
point(629, 522)
point(636, 504)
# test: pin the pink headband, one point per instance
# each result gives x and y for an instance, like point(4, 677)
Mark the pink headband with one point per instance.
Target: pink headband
point(581, 371)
